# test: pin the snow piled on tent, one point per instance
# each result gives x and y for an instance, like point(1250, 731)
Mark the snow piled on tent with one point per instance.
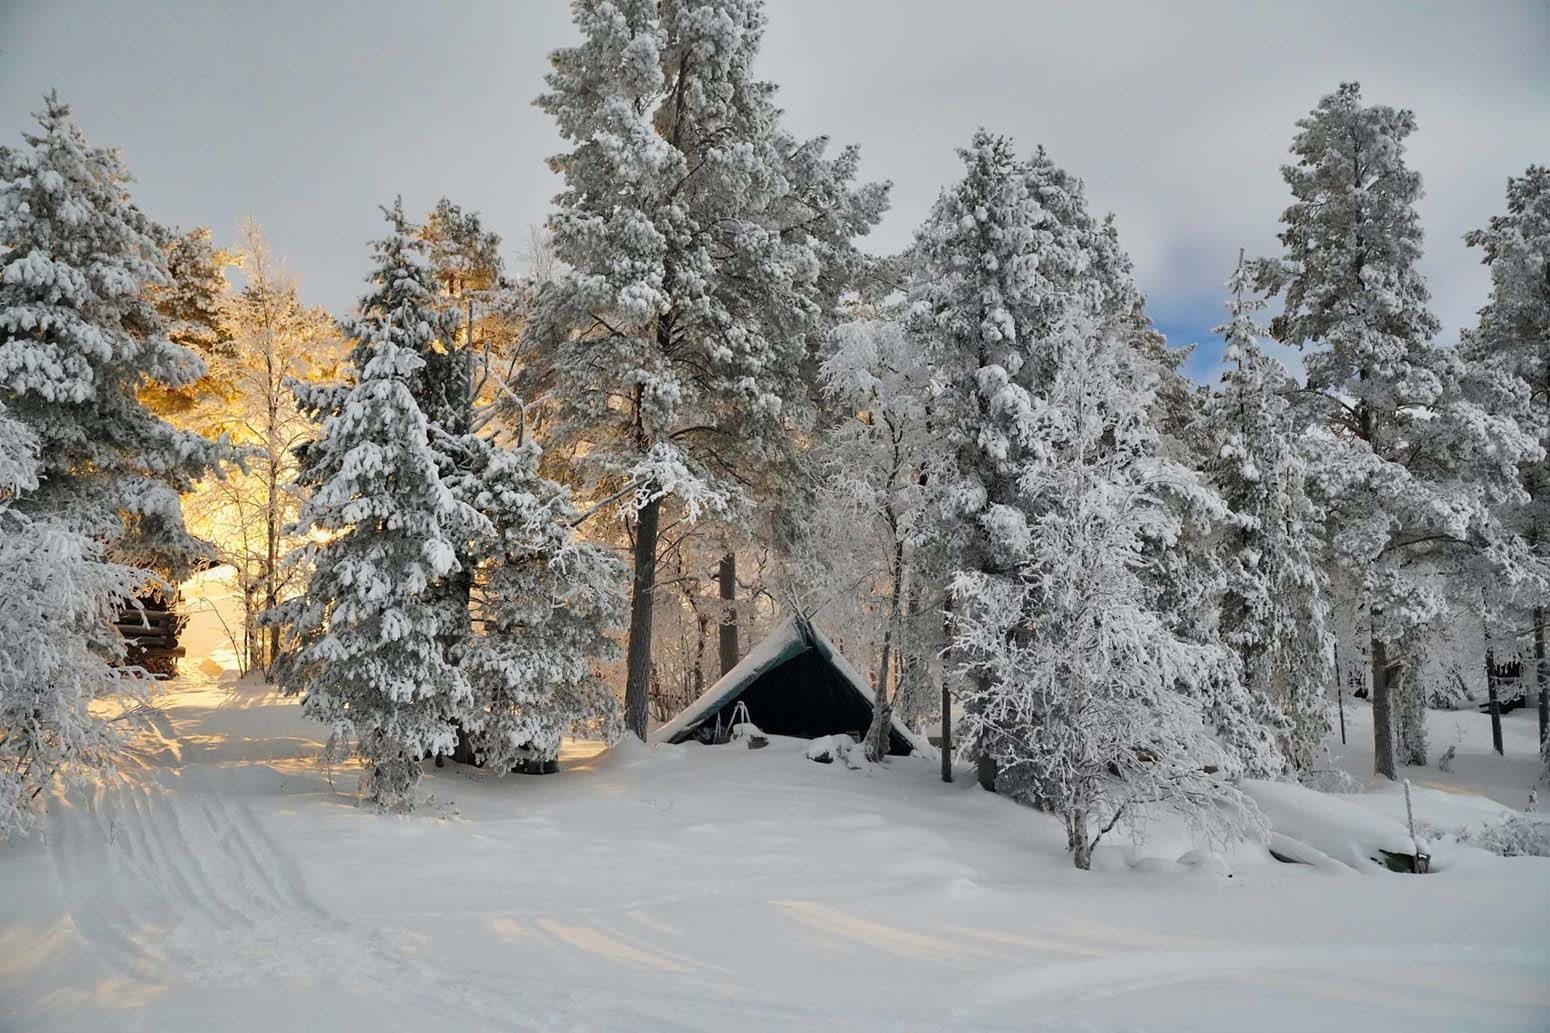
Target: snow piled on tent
point(783, 642)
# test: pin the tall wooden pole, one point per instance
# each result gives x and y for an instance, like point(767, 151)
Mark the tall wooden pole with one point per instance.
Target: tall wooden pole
point(1339, 694)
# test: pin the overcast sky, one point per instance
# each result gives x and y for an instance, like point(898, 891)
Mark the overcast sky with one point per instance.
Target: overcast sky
point(307, 115)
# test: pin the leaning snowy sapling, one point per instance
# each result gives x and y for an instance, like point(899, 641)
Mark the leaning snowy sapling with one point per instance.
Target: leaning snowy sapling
point(1078, 686)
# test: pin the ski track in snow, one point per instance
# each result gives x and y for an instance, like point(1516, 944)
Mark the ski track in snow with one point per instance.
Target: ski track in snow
point(155, 842)
point(173, 882)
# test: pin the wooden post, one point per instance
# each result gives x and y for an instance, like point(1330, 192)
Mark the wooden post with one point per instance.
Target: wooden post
point(1339, 694)
point(1494, 704)
point(1415, 844)
point(1541, 675)
point(947, 732)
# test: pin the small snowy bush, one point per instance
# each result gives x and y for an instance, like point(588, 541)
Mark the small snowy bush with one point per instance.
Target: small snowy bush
point(1329, 780)
point(1516, 835)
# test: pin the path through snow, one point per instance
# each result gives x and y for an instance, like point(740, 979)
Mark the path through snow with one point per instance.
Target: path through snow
point(222, 881)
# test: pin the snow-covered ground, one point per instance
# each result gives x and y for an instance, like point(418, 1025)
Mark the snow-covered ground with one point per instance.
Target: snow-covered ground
point(225, 882)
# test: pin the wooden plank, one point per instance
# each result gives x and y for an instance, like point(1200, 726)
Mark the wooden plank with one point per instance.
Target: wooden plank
point(139, 651)
point(153, 618)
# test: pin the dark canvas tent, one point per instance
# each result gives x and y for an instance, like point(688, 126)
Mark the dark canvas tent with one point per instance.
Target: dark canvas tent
point(794, 683)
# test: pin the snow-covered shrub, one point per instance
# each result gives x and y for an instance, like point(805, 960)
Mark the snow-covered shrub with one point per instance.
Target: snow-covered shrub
point(1515, 835)
point(1329, 780)
point(1519, 835)
point(840, 749)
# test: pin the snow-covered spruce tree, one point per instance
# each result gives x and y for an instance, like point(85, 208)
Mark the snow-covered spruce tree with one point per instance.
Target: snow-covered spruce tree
point(1410, 466)
point(61, 651)
point(1191, 577)
point(1080, 689)
point(371, 633)
point(547, 605)
point(1274, 610)
point(702, 248)
point(1509, 357)
point(80, 339)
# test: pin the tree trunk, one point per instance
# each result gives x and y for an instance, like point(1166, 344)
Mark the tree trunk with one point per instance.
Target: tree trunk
point(985, 767)
point(637, 683)
point(1340, 693)
point(1076, 837)
point(947, 695)
point(1382, 712)
point(726, 577)
point(459, 589)
point(985, 771)
point(882, 708)
point(1494, 703)
point(1541, 675)
point(947, 733)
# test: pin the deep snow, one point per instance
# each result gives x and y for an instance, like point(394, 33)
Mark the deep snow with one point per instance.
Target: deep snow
point(223, 882)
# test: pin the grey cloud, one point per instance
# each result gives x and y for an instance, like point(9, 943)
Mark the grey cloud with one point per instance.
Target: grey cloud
point(1176, 114)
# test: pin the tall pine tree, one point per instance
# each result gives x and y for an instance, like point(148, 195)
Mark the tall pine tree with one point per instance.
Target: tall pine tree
point(703, 248)
point(1509, 352)
point(1410, 467)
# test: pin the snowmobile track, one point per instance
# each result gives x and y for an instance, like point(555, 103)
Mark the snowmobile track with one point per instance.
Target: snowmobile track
point(189, 888)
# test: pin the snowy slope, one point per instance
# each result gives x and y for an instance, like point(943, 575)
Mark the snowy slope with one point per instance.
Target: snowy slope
point(223, 883)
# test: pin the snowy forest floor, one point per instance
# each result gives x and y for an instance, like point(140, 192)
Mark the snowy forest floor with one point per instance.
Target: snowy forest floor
point(222, 881)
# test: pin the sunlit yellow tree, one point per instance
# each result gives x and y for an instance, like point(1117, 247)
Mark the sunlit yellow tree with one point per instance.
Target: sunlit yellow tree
point(272, 338)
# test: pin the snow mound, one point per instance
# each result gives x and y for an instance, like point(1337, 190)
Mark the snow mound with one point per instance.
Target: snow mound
point(1335, 828)
point(831, 748)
